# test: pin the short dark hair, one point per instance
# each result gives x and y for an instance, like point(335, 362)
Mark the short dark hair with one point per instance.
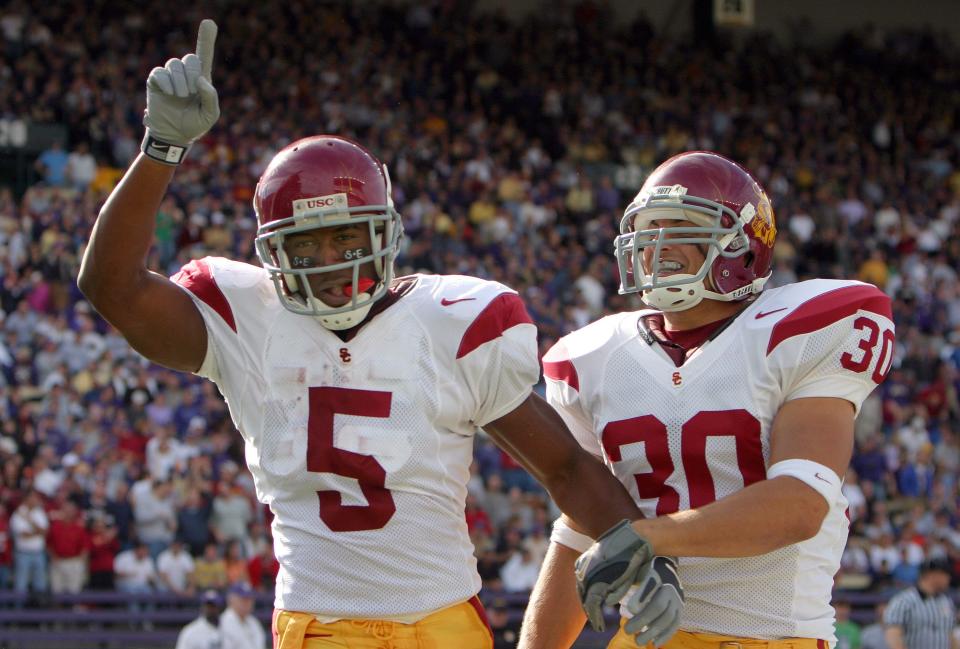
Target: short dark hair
point(938, 563)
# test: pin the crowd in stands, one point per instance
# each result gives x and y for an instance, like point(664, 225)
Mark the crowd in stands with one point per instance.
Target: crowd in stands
point(513, 149)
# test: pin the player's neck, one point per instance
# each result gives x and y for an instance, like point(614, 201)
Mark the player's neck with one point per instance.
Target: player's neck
point(703, 314)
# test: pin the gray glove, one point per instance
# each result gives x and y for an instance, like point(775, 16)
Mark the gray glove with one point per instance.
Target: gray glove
point(657, 604)
point(607, 570)
point(182, 103)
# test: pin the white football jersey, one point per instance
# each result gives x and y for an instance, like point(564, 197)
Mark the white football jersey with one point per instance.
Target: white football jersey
point(681, 437)
point(362, 448)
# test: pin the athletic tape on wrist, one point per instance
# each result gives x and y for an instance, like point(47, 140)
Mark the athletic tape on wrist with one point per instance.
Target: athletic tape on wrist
point(569, 537)
point(170, 154)
point(822, 479)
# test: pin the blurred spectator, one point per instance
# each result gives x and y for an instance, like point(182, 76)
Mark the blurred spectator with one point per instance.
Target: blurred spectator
point(81, 167)
point(155, 515)
point(519, 573)
point(847, 631)
point(210, 570)
point(263, 568)
point(104, 546)
point(69, 545)
point(29, 525)
point(175, 569)
point(231, 514)
point(505, 632)
point(204, 632)
point(135, 571)
point(872, 636)
point(192, 524)
point(52, 165)
point(240, 628)
point(6, 549)
point(235, 563)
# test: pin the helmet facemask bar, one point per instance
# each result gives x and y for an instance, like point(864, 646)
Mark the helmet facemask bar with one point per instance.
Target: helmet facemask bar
point(292, 284)
point(711, 234)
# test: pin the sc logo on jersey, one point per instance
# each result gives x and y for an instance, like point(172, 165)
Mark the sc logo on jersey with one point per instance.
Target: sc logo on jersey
point(676, 378)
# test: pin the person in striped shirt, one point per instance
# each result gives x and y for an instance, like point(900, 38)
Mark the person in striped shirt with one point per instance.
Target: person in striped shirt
point(923, 616)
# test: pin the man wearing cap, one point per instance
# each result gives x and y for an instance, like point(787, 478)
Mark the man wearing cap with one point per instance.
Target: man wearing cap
point(204, 632)
point(922, 616)
point(239, 627)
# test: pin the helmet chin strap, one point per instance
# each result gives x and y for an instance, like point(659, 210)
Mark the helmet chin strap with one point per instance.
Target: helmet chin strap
point(676, 298)
point(345, 320)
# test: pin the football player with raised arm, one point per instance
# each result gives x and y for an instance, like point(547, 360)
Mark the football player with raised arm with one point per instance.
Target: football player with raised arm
point(357, 393)
point(727, 411)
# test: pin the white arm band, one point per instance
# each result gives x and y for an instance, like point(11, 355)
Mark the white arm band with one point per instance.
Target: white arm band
point(566, 535)
point(822, 479)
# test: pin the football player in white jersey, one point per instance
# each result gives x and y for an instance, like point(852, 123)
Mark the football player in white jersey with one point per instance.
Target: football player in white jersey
point(357, 393)
point(727, 411)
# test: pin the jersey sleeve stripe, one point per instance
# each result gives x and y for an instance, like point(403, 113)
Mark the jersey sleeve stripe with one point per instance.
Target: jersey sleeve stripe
point(558, 366)
point(197, 278)
point(825, 309)
point(503, 312)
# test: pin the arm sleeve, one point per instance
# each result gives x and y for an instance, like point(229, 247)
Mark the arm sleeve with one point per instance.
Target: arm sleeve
point(563, 393)
point(566, 401)
point(225, 362)
point(497, 358)
point(845, 360)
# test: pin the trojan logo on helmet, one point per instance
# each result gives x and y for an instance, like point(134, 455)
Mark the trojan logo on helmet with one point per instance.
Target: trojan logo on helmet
point(322, 182)
point(733, 224)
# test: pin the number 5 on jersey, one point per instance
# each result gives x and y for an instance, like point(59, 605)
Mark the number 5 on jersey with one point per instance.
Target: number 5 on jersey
point(324, 457)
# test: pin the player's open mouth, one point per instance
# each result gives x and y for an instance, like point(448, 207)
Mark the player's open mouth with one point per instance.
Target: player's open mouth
point(340, 293)
point(668, 267)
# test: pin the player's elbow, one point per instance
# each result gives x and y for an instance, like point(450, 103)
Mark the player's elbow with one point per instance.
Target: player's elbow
point(807, 517)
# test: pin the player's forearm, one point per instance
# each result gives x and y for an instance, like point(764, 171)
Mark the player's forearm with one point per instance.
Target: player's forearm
point(115, 259)
point(588, 483)
point(764, 517)
point(554, 618)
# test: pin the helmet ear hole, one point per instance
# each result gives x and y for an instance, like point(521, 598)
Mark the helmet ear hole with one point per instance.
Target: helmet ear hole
point(748, 259)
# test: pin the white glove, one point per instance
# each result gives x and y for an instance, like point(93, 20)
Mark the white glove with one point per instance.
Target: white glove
point(182, 103)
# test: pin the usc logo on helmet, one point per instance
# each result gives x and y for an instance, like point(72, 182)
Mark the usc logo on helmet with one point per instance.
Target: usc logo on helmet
point(762, 224)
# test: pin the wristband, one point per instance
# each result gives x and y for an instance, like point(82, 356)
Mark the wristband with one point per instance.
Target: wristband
point(569, 537)
point(168, 154)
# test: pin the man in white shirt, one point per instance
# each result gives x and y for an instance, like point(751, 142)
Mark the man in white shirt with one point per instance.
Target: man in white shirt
point(175, 569)
point(203, 632)
point(29, 525)
point(135, 573)
point(239, 627)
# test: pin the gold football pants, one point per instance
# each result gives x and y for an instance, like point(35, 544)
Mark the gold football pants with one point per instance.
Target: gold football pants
point(691, 640)
point(462, 626)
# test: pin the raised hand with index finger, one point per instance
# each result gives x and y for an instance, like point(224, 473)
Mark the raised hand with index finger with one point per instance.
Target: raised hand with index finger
point(182, 103)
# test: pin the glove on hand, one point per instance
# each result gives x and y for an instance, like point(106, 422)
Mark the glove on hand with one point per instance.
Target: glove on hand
point(609, 568)
point(182, 103)
point(657, 603)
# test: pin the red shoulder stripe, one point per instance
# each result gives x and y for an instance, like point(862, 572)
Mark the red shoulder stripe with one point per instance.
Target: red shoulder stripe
point(559, 367)
point(827, 308)
point(197, 278)
point(504, 311)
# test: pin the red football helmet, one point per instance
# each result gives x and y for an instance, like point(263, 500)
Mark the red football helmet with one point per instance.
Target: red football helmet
point(735, 227)
point(326, 181)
